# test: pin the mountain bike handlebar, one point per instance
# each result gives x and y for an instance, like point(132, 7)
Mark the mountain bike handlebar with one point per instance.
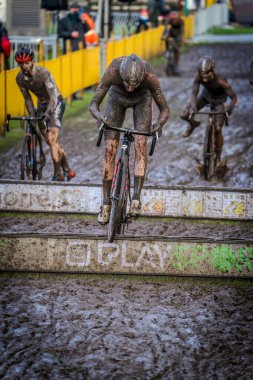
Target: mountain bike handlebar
point(24, 118)
point(210, 113)
point(128, 131)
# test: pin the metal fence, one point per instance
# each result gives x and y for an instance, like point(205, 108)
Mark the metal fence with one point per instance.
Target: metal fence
point(46, 47)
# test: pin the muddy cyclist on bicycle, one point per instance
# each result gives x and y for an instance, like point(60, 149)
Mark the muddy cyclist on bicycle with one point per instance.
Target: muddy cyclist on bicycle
point(174, 28)
point(130, 83)
point(50, 107)
point(215, 92)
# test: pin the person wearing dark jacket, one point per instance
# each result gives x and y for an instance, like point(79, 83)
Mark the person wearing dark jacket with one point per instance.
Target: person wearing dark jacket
point(73, 28)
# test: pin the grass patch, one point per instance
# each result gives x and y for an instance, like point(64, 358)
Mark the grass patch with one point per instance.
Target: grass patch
point(16, 133)
point(230, 30)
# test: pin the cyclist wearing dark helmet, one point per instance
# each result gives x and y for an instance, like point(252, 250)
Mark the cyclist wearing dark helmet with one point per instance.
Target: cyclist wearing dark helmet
point(130, 83)
point(174, 28)
point(216, 89)
point(50, 106)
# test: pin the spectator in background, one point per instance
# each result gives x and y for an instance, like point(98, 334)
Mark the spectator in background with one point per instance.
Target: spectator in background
point(91, 37)
point(142, 23)
point(5, 47)
point(72, 28)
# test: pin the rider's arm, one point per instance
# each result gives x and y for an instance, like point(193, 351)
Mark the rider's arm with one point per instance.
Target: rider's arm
point(27, 96)
point(52, 91)
point(230, 92)
point(195, 90)
point(99, 95)
point(159, 98)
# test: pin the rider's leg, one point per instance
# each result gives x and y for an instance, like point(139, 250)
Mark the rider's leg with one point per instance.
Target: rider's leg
point(68, 173)
point(111, 146)
point(185, 114)
point(142, 113)
point(219, 138)
point(139, 172)
point(52, 140)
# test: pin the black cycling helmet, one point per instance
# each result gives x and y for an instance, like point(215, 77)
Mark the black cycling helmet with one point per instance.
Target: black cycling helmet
point(24, 54)
point(132, 70)
point(206, 64)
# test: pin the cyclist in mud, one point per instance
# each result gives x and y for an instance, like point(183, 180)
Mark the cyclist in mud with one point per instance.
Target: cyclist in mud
point(174, 27)
point(130, 82)
point(39, 81)
point(215, 92)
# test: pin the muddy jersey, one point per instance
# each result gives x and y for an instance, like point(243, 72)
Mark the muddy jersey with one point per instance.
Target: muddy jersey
point(215, 91)
point(112, 82)
point(41, 84)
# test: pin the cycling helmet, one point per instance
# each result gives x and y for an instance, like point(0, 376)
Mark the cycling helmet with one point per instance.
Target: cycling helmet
point(173, 16)
point(132, 70)
point(206, 64)
point(24, 54)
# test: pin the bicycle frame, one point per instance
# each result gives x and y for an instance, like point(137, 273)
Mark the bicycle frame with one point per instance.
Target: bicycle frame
point(120, 190)
point(209, 152)
point(32, 139)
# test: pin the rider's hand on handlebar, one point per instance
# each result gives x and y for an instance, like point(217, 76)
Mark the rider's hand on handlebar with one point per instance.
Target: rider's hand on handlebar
point(102, 120)
point(229, 110)
point(46, 117)
point(156, 128)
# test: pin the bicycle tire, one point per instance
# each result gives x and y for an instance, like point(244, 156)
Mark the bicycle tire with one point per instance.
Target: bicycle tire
point(26, 158)
point(35, 154)
point(170, 66)
point(119, 201)
point(208, 156)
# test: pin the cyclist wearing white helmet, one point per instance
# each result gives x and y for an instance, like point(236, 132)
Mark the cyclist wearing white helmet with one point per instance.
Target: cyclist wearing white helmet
point(39, 81)
point(130, 83)
point(216, 89)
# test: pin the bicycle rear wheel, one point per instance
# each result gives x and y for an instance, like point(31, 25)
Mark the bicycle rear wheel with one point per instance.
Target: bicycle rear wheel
point(26, 168)
point(170, 66)
point(209, 146)
point(119, 201)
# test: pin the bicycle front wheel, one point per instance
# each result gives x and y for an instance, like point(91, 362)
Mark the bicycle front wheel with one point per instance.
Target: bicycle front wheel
point(209, 146)
point(119, 200)
point(36, 172)
point(26, 166)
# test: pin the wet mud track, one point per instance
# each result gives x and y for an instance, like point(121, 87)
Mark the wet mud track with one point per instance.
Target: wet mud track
point(175, 159)
point(82, 328)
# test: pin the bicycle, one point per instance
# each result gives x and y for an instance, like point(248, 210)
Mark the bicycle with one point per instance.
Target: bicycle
point(120, 190)
point(170, 56)
point(32, 158)
point(209, 151)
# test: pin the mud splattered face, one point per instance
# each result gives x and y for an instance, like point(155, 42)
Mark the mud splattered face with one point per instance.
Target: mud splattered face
point(207, 76)
point(27, 67)
point(130, 87)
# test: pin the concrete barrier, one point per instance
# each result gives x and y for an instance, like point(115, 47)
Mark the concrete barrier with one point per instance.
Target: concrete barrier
point(173, 201)
point(132, 256)
point(207, 18)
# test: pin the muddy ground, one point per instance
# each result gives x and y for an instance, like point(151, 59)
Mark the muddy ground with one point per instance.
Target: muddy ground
point(76, 328)
point(82, 328)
